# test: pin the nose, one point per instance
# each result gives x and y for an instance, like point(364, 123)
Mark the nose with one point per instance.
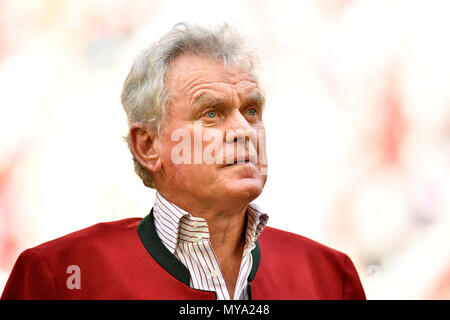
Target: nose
point(241, 140)
point(239, 129)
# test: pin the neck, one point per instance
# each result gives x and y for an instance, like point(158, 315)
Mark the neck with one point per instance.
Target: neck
point(227, 232)
point(226, 224)
point(227, 237)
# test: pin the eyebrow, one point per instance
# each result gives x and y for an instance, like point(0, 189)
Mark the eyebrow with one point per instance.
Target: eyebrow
point(207, 99)
point(257, 99)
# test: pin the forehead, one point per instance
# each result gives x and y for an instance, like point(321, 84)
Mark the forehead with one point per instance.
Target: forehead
point(191, 75)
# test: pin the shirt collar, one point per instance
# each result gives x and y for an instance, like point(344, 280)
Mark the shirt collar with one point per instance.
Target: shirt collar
point(174, 224)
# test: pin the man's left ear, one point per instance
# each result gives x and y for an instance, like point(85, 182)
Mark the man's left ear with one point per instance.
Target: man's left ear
point(145, 147)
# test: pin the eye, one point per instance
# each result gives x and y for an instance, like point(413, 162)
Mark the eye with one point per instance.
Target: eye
point(211, 114)
point(251, 112)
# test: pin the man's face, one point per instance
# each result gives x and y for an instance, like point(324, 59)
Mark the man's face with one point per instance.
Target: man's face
point(215, 124)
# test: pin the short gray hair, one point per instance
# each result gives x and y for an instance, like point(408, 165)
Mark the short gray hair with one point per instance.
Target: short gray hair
point(145, 97)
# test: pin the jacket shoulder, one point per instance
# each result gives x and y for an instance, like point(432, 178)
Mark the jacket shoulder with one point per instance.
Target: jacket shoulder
point(100, 232)
point(312, 269)
point(296, 243)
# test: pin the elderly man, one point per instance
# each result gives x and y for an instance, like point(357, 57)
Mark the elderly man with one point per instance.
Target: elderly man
point(196, 134)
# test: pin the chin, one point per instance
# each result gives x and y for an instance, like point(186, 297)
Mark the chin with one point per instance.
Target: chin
point(245, 189)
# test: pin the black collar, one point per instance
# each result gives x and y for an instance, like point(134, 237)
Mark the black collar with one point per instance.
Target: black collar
point(159, 252)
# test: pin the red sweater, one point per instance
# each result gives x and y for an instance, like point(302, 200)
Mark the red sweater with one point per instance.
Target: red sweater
point(126, 260)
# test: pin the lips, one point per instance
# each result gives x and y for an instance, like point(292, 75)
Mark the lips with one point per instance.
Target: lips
point(240, 160)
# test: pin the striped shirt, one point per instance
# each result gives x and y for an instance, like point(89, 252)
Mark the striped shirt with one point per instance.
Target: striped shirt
point(187, 237)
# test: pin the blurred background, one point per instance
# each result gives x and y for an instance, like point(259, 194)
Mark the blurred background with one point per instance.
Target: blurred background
point(357, 119)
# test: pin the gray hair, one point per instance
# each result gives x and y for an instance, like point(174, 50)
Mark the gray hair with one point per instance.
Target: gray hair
point(145, 97)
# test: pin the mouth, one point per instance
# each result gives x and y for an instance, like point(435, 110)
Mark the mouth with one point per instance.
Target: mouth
point(245, 161)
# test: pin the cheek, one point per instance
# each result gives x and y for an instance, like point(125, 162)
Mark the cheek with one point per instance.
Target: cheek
point(186, 174)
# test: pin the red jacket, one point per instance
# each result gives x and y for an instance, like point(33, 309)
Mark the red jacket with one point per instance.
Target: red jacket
point(126, 260)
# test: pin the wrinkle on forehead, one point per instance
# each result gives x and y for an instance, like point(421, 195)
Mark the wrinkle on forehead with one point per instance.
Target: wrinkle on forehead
point(188, 72)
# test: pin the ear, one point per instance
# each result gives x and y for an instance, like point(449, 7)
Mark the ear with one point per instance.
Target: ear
point(145, 148)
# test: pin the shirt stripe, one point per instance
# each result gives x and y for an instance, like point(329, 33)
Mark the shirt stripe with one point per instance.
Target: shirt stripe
point(187, 237)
